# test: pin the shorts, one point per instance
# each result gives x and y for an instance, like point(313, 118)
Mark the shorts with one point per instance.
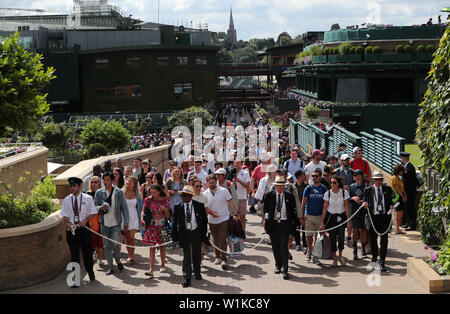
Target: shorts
point(312, 224)
point(97, 241)
point(400, 207)
point(242, 207)
point(359, 221)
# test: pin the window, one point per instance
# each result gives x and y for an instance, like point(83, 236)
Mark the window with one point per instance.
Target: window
point(130, 91)
point(182, 60)
point(133, 62)
point(102, 63)
point(201, 60)
point(163, 60)
point(182, 91)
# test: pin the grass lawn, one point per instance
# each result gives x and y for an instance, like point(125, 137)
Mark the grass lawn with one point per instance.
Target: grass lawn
point(415, 154)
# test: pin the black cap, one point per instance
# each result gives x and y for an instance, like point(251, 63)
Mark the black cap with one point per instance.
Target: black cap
point(404, 154)
point(358, 172)
point(75, 180)
point(342, 145)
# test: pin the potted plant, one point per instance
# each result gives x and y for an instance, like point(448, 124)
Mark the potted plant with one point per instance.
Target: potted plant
point(344, 53)
point(369, 55)
point(404, 53)
point(332, 57)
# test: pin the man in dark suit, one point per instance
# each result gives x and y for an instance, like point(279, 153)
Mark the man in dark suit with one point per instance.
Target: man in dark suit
point(411, 183)
point(279, 219)
point(189, 228)
point(378, 199)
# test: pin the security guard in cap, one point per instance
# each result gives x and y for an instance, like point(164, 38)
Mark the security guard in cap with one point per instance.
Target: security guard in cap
point(78, 209)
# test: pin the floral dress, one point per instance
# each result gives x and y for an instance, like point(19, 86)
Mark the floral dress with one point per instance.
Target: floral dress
point(153, 234)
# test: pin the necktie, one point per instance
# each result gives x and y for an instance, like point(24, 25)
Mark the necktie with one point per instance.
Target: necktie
point(188, 214)
point(75, 207)
point(380, 200)
point(279, 203)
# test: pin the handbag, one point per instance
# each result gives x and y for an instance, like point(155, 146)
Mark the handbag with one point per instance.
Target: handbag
point(236, 245)
point(322, 247)
point(166, 233)
point(148, 215)
point(251, 200)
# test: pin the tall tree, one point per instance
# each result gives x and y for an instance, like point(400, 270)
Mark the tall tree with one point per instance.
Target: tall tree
point(283, 39)
point(22, 80)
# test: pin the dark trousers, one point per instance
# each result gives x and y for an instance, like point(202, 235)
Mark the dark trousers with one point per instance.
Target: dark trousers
point(297, 234)
point(339, 235)
point(411, 210)
point(279, 238)
point(83, 239)
point(191, 253)
point(381, 223)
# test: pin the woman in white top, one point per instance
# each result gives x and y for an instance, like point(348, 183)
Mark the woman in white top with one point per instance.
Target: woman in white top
point(264, 187)
point(135, 204)
point(335, 211)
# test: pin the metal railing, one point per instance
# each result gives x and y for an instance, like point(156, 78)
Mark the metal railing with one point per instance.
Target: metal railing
point(381, 148)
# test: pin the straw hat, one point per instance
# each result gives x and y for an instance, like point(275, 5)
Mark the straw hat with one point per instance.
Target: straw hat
point(377, 175)
point(280, 181)
point(187, 190)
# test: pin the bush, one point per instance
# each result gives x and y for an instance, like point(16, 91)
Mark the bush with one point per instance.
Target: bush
point(96, 150)
point(312, 112)
point(336, 51)
point(421, 49)
point(377, 50)
point(344, 49)
point(326, 51)
point(408, 48)
point(110, 133)
point(430, 48)
point(369, 50)
point(316, 50)
point(352, 50)
point(400, 49)
point(359, 50)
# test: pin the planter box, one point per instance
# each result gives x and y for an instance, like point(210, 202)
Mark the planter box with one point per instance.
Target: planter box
point(354, 58)
point(333, 58)
point(404, 57)
point(424, 56)
point(372, 58)
point(421, 272)
point(388, 57)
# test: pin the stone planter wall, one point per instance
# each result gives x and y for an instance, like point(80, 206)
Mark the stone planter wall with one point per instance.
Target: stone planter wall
point(33, 254)
point(421, 272)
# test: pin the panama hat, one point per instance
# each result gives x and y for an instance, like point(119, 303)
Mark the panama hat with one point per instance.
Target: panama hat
point(280, 181)
point(377, 175)
point(187, 190)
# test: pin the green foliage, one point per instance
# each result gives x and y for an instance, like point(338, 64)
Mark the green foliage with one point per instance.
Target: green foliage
point(431, 48)
point(400, 49)
point(97, 150)
point(25, 210)
point(352, 50)
point(408, 48)
point(187, 116)
point(433, 133)
point(110, 133)
point(140, 126)
point(326, 51)
point(377, 50)
point(344, 48)
point(369, 50)
point(336, 51)
point(283, 39)
point(316, 50)
point(359, 50)
point(55, 135)
point(22, 80)
point(312, 112)
point(420, 48)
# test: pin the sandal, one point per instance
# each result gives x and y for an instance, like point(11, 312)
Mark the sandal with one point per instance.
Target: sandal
point(149, 273)
point(334, 263)
point(130, 261)
point(341, 260)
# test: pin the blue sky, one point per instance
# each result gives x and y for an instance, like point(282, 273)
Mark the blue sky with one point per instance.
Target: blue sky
point(264, 18)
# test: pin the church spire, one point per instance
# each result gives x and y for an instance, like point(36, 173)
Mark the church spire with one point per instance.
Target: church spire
point(231, 31)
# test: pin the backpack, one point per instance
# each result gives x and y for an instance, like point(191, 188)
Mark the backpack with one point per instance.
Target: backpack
point(365, 165)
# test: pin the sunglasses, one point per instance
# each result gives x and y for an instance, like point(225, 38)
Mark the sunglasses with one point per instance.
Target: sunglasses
point(334, 182)
point(197, 186)
point(315, 176)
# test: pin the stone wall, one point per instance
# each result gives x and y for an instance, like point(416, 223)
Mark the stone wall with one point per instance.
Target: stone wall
point(31, 166)
point(33, 254)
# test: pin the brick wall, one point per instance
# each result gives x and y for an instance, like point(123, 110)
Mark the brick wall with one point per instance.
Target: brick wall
point(31, 258)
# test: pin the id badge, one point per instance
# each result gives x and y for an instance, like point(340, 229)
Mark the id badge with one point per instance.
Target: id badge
point(278, 215)
point(188, 226)
point(76, 219)
point(380, 208)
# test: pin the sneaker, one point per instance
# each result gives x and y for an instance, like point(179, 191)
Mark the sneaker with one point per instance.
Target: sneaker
point(99, 262)
point(308, 256)
point(298, 248)
point(316, 261)
point(217, 261)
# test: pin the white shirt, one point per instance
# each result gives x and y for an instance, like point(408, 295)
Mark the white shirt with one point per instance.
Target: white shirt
point(335, 201)
point(194, 224)
point(218, 202)
point(201, 199)
point(311, 167)
point(242, 191)
point(283, 205)
point(201, 176)
point(109, 219)
point(86, 207)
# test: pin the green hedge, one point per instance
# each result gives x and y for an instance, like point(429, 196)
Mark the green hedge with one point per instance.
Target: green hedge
point(22, 210)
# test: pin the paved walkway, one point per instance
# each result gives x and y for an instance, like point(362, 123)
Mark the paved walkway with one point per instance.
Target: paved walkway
point(252, 273)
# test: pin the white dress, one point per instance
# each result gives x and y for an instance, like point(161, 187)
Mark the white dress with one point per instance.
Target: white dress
point(133, 223)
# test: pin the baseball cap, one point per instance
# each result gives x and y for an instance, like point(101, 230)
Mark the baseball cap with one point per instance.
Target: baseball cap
point(356, 149)
point(221, 171)
point(345, 157)
point(315, 152)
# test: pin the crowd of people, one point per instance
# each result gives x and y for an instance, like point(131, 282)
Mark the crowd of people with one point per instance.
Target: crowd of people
point(195, 199)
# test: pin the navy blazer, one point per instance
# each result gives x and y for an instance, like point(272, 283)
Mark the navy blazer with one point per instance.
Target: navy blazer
point(270, 203)
point(179, 225)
